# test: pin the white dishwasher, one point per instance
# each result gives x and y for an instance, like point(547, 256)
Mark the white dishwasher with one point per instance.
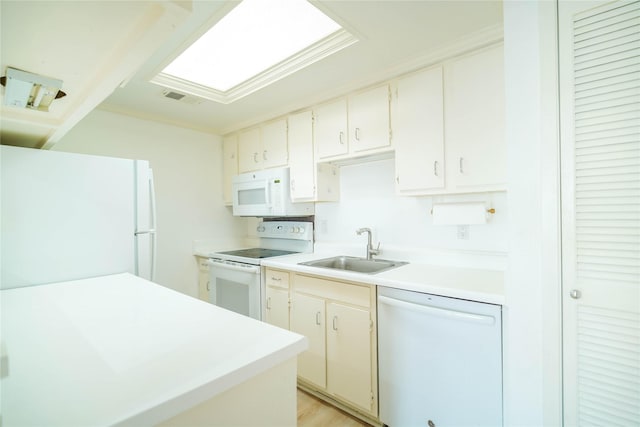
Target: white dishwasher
point(440, 360)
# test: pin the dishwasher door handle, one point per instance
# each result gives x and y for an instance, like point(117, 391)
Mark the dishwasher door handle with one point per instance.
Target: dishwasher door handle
point(436, 311)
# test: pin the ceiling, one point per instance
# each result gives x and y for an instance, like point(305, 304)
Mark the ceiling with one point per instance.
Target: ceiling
point(107, 51)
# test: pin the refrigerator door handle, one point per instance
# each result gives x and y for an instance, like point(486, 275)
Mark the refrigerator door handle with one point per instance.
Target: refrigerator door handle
point(152, 202)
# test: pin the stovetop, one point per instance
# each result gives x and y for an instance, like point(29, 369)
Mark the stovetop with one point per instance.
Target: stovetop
point(256, 253)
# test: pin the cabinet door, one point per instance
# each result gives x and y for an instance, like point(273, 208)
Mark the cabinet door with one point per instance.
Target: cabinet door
point(203, 279)
point(249, 150)
point(274, 144)
point(277, 307)
point(229, 165)
point(349, 354)
point(418, 132)
point(474, 117)
point(308, 319)
point(330, 129)
point(301, 164)
point(369, 120)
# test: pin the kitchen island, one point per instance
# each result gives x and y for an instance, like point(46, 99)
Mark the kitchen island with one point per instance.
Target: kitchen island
point(119, 350)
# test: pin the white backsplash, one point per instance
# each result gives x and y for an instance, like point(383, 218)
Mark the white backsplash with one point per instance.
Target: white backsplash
point(404, 223)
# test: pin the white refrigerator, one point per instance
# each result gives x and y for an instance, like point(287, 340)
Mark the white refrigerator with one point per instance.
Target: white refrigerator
point(67, 216)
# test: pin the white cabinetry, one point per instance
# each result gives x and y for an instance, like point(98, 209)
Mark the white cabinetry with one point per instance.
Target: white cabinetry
point(474, 121)
point(229, 165)
point(369, 120)
point(203, 278)
point(448, 127)
point(309, 182)
point(277, 298)
point(263, 147)
point(339, 320)
point(418, 132)
point(344, 129)
point(330, 129)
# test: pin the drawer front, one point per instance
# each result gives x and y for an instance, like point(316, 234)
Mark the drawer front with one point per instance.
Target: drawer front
point(202, 264)
point(277, 278)
point(338, 291)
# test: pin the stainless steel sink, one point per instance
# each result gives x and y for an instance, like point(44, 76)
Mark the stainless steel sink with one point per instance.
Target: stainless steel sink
point(356, 264)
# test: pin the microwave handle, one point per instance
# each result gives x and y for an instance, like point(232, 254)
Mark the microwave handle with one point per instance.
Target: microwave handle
point(267, 190)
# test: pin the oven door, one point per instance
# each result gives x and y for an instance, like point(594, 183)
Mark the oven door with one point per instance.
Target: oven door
point(235, 286)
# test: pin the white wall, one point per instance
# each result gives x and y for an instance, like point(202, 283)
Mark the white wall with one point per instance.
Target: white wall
point(532, 338)
point(368, 199)
point(187, 167)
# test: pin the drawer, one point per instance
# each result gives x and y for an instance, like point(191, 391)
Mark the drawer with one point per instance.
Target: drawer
point(277, 278)
point(333, 290)
point(202, 264)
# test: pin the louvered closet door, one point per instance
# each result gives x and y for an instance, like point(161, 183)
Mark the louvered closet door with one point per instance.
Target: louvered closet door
point(600, 138)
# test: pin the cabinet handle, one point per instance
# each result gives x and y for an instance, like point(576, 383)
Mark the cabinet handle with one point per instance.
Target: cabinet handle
point(269, 303)
point(276, 279)
point(461, 165)
point(435, 168)
point(264, 155)
point(341, 138)
point(318, 318)
point(357, 134)
point(335, 323)
point(208, 286)
point(255, 157)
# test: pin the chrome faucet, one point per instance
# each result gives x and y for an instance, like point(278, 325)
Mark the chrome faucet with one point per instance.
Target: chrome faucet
point(370, 251)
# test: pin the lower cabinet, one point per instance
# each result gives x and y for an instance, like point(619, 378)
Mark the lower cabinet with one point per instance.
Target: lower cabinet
point(203, 278)
point(277, 298)
point(338, 318)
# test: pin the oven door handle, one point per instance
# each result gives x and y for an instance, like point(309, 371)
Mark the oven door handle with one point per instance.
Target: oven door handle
point(245, 268)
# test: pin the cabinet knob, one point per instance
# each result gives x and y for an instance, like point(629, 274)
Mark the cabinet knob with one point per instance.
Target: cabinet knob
point(575, 294)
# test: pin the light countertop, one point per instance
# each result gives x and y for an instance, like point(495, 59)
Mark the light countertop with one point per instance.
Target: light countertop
point(119, 350)
point(457, 282)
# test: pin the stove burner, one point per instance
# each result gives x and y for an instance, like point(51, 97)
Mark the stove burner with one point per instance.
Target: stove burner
point(257, 253)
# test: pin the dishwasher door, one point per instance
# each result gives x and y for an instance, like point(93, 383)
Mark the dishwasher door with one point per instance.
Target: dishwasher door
point(440, 360)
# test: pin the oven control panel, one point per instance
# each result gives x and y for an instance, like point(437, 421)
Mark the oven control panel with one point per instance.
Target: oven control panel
point(296, 230)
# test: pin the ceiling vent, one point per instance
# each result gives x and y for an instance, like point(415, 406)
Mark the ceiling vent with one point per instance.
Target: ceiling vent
point(186, 99)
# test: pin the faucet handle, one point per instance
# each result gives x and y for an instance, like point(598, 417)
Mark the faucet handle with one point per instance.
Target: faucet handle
point(375, 251)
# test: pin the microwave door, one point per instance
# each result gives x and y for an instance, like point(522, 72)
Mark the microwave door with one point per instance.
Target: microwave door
point(252, 198)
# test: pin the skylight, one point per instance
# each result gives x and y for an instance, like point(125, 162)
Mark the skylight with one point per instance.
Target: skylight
point(255, 44)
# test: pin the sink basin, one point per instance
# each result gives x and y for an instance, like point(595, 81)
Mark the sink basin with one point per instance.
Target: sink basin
point(356, 264)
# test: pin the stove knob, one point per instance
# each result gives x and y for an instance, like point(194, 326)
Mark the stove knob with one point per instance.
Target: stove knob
point(260, 228)
point(301, 230)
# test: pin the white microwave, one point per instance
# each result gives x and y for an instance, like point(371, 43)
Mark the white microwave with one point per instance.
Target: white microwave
point(266, 193)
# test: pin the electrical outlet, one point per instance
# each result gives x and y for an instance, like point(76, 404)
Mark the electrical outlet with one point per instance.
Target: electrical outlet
point(463, 232)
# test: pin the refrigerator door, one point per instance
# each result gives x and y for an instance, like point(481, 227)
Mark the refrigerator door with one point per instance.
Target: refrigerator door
point(64, 216)
point(145, 233)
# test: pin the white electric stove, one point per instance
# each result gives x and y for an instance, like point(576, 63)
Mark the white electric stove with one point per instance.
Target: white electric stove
point(235, 279)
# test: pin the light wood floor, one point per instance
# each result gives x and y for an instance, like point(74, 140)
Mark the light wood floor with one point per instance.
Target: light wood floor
point(313, 412)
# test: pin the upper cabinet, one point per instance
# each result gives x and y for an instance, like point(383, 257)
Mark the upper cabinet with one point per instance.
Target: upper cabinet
point(418, 132)
point(310, 181)
point(448, 127)
point(475, 122)
point(263, 147)
point(330, 129)
point(354, 126)
point(229, 165)
point(369, 120)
